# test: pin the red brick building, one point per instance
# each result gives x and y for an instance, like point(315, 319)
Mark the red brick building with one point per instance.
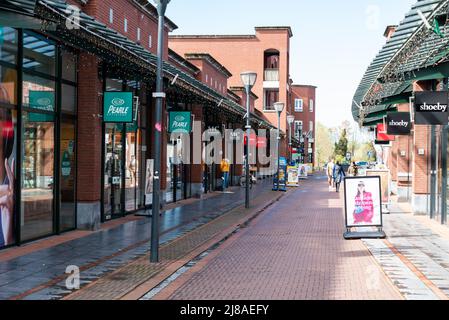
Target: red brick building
point(303, 128)
point(267, 52)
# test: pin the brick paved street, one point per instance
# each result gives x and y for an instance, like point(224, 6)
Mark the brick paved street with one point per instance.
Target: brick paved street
point(295, 250)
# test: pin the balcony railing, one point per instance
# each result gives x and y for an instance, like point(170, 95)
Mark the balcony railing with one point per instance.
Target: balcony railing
point(271, 75)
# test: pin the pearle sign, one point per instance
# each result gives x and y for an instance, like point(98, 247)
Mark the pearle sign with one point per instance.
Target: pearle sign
point(118, 107)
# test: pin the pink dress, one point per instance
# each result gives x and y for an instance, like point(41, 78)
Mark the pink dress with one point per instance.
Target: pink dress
point(364, 208)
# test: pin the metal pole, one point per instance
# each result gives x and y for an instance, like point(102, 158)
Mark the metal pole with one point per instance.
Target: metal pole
point(433, 171)
point(290, 141)
point(159, 95)
point(278, 147)
point(444, 143)
point(248, 133)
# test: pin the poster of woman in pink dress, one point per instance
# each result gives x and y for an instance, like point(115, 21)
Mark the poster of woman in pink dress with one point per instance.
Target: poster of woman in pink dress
point(364, 207)
point(363, 202)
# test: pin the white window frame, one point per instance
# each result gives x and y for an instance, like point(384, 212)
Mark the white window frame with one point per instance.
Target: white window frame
point(298, 127)
point(125, 25)
point(150, 41)
point(311, 105)
point(138, 34)
point(311, 126)
point(299, 105)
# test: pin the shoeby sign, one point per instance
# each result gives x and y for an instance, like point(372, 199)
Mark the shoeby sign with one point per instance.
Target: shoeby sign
point(399, 123)
point(118, 107)
point(180, 122)
point(431, 108)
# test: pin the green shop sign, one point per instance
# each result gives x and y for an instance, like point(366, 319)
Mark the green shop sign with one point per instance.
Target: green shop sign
point(180, 122)
point(118, 107)
point(43, 101)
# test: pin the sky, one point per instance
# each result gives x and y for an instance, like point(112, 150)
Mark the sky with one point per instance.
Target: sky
point(333, 41)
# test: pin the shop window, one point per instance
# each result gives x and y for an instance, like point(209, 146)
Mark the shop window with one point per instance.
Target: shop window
point(8, 86)
point(8, 45)
point(69, 66)
point(38, 93)
point(8, 137)
point(39, 54)
point(68, 99)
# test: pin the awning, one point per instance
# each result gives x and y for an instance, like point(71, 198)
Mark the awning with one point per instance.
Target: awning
point(370, 91)
point(96, 37)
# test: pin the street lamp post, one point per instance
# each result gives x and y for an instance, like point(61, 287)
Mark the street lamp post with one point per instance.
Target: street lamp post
point(159, 95)
point(279, 107)
point(249, 79)
point(290, 120)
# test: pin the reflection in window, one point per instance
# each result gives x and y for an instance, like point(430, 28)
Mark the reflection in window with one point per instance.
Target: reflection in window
point(69, 64)
point(37, 176)
point(39, 53)
point(8, 45)
point(8, 85)
point(68, 99)
point(31, 85)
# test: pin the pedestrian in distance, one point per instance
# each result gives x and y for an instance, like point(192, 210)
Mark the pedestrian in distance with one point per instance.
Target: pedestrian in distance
point(224, 167)
point(353, 170)
point(330, 173)
point(338, 175)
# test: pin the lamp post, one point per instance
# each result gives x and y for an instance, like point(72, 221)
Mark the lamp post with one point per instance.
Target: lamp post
point(279, 107)
point(249, 79)
point(290, 120)
point(159, 95)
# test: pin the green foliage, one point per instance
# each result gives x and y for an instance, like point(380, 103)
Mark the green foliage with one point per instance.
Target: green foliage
point(341, 147)
point(324, 146)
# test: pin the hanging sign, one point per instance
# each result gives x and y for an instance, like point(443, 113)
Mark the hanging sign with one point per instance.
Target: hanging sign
point(180, 122)
point(381, 134)
point(43, 101)
point(431, 108)
point(399, 123)
point(118, 107)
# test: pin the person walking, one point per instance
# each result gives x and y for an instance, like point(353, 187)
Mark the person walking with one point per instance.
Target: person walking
point(338, 175)
point(353, 170)
point(224, 166)
point(330, 173)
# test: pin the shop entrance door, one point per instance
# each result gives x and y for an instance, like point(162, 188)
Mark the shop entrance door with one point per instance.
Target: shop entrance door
point(114, 168)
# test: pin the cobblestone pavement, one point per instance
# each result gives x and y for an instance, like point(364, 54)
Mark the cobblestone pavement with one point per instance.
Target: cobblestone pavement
point(294, 250)
point(41, 274)
point(421, 249)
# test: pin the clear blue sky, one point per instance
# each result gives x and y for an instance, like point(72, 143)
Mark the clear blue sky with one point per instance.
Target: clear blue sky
point(333, 41)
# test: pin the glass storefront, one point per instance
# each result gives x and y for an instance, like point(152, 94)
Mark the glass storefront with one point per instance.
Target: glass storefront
point(47, 102)
point(124, 154)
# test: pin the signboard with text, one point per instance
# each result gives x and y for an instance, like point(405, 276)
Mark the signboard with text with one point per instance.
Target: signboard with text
point(431, 108)
point(399, 123)
point(118, 107)
point(180, 122)
point(43, 101)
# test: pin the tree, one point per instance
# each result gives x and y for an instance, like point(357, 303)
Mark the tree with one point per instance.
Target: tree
point(362, 152)
point(324, 145)
point(341, 147)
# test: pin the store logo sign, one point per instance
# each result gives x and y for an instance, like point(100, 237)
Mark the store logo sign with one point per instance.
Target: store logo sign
point(431, 108)
point(399, 123)
point(118, 107)
point(180, 122)
point(41, 101)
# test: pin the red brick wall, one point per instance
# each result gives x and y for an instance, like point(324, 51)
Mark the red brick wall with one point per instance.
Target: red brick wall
point(245, 53)
point(306, 93)
point(136, 17)
point(211, 76)
point(89, 130)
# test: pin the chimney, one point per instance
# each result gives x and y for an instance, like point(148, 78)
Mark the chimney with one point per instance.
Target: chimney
point(389, 31)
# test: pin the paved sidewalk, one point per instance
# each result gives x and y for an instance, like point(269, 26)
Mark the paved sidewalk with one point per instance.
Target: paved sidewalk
point(41, 274)
point(295, 250)
point(415, 255)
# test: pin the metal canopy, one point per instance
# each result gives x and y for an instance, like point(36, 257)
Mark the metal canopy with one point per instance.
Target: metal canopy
point(111, 39)
point(370, 92)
